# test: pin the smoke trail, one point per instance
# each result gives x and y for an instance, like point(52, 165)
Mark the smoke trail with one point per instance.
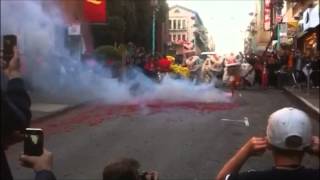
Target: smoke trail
point(52, 70)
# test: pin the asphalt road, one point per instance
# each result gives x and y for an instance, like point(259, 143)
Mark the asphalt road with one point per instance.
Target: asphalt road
point(179, 142)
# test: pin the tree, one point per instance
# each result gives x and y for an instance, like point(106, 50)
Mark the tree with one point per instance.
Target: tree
point(110, 34)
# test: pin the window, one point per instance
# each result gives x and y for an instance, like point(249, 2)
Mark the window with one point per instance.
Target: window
point(174, 37)
point(174, 24)
point(179, 37)
point(184, 37)
point(170, 25)
point(179, 24)
point(183, 24)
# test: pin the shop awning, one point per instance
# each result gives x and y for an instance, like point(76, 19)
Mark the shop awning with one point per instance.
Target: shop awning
point(294, 24)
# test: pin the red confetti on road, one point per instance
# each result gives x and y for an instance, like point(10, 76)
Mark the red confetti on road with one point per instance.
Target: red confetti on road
point(95, 113)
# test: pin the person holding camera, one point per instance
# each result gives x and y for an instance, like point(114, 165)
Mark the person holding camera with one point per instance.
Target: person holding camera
point(127, 169)
point(16, 116)
point(289, 138)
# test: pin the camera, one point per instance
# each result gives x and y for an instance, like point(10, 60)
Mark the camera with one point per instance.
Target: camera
point(33, 141)
point(9, 41)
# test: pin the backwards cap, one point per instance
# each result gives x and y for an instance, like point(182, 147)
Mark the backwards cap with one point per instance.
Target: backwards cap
point(290, 129)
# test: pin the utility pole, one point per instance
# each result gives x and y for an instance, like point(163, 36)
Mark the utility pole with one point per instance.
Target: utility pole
point(153, 32)
point(154, 5)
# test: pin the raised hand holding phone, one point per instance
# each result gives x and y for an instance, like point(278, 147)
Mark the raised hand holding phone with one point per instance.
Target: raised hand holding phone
point(38, 163)
point(33, 142)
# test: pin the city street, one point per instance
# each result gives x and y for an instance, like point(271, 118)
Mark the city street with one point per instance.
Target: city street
point(181, 141)
point(179, 86)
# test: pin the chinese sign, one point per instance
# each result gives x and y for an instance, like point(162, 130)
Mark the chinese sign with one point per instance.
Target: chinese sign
point(267, 15)
point(95, 11)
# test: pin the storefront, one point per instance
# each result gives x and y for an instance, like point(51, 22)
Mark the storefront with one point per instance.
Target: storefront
point(308, 38)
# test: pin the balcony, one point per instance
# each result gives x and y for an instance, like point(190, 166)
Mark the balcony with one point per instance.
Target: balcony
point(178, 30)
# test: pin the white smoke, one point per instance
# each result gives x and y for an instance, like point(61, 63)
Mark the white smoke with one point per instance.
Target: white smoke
point(60, 75)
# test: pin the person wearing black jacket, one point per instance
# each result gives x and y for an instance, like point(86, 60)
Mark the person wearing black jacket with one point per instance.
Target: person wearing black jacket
point(15, 117)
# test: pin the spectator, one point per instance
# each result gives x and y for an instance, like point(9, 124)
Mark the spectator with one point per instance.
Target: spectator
point(299, 64)
point(272, 67)
point(289, 138)
point(150, 68)
point(15, 109)
point(127, 169)
point(315, 74)
point(164, 65)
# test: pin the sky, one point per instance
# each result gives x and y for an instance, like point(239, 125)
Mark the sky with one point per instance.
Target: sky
point(226, 20)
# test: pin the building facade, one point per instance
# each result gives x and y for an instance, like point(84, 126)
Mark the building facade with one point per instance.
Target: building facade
point(186, 28)
point(283, 25)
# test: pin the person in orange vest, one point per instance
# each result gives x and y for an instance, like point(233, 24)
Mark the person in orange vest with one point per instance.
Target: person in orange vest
point(290, 61)
point(233, 70)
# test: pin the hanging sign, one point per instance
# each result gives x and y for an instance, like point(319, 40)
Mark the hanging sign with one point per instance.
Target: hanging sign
point(74, 30)
point(95, 11)
point(283, 32)
point(267, 15)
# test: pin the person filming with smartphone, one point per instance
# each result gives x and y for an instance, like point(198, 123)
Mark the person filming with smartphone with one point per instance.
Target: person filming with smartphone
point(15, 112)
point(289, 138)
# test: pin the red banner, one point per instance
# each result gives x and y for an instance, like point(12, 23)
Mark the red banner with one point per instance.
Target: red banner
point(267, 15)
point(95, 11)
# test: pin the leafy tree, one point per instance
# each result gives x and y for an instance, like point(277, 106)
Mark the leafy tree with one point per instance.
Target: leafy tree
point(107, 52)
point(110, 34)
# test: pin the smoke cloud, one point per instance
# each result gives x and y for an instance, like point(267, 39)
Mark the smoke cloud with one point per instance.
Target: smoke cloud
point(53, 71)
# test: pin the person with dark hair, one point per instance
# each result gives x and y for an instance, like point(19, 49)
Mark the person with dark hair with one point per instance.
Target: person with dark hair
point(289, 138)
point(127, 169)
point(150, 67)
point(315, 74)
point(15, 116)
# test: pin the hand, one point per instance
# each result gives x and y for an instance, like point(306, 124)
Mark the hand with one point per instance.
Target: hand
point(314, 147)
point(37, 163)
point(255, 146)
point(11, 68)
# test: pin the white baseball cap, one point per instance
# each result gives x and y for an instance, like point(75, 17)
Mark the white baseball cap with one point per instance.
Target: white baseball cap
point(289, 128)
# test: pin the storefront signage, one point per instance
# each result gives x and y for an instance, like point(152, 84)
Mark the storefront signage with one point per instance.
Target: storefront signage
point(267, 15)
point(95, 11)
point(74, 30)
point(283, 29)
point(310, 18)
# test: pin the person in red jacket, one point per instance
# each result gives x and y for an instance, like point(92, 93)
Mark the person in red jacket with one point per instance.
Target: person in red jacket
point(150, 68)
point(164, 65)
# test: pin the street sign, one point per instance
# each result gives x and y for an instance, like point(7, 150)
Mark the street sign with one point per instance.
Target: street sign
point(74, 30)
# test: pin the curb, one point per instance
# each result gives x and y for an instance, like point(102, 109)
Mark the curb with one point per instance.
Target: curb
point(59, 112)
point(310, 106)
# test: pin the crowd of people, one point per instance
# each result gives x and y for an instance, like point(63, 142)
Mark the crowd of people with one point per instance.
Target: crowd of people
point(272, 69)
point(288, 137)
point(288, 68)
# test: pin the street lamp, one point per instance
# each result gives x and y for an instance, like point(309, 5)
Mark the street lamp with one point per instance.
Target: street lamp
point(154, 5)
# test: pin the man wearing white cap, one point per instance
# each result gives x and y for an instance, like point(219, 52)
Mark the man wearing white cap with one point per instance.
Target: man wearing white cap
point(289, 138)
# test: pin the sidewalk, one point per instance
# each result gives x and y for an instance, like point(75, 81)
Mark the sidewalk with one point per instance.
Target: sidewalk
point(310, 99)
point(43, 106)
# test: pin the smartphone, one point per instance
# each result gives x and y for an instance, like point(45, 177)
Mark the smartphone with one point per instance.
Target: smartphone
point(33, 141)
point(9, 41)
